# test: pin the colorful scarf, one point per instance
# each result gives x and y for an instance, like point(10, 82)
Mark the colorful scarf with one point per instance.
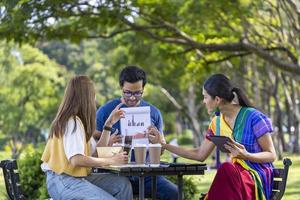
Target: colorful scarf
point(250, 124)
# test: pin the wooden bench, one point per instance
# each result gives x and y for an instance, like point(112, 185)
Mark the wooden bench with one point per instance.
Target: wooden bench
point(279, 181)
point(12, 179)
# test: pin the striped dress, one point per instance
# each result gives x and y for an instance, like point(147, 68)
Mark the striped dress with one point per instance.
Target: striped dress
point(250, 124)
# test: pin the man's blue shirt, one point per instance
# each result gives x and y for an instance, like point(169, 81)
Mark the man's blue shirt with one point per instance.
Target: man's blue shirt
point(166, 190)
point(104, 111)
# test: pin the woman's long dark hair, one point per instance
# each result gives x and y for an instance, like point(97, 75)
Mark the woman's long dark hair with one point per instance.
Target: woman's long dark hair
point(219, 85)
point(79, 100)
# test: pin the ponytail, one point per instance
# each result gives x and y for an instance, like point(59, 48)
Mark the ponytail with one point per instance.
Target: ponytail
point(243, 100)
point(219, 85)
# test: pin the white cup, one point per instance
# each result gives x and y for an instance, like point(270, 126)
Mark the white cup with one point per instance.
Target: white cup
point(140, 153)
point(154, 152)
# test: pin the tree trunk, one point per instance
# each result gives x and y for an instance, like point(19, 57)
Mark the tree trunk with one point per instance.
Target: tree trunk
point(279, 115)
point(192, 111)
point(296, 141)
point(296, 123)
point(276, 117)
point(289, 123)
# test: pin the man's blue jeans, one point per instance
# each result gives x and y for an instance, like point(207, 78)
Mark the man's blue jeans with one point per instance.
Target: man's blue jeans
point(92, 187)
point(166, 190)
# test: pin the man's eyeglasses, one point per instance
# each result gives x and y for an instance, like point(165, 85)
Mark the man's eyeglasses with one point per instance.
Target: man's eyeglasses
point(135, 94)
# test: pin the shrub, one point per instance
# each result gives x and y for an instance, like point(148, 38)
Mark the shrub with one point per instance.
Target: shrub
point(189, 187)
point(33, 179)
point(169, 137)
point(186, 138)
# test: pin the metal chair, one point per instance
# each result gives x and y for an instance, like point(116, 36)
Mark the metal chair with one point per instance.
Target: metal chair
point(12, 179)
point(280, 178)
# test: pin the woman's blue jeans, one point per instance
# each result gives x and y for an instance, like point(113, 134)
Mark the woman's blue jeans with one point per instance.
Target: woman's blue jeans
point(92, 187)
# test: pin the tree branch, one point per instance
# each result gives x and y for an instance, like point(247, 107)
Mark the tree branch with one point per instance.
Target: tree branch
point(171, 98)
point(228, 57)
point(238, 46)
point(109, 35)
point(153, 35)
point(290, 67)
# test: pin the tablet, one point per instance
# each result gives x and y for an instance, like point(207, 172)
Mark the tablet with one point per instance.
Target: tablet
point(219, 141)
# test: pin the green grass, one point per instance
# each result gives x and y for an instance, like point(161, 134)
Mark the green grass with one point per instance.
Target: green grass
point(292, 190)
point(3, 155)
point(293, 183)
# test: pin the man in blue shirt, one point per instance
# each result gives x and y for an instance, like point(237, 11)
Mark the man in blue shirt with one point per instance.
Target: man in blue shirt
point(132, 81)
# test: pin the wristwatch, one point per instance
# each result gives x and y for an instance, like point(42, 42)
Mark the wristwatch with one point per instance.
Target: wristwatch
point(107, 128)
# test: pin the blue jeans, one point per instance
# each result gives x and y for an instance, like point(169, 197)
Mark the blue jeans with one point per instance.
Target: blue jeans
point(92, 187)
point(166, 190)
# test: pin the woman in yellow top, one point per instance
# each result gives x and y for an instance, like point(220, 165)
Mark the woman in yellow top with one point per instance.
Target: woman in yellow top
point(68, 155)
point(249, 175)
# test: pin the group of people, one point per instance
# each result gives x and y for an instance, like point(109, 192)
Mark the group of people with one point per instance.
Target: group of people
point(79, 128)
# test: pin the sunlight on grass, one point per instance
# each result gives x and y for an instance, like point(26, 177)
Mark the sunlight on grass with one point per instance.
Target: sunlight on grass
point(3, 155)
point(292, 191)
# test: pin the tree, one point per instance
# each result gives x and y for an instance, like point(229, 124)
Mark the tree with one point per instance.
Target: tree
point(30, 88)
point(232, 28)
point(185, 40)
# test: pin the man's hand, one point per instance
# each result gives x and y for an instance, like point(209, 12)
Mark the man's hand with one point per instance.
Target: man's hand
point(154, 135)
point(97, 135)
point(115, 138)
point(115, 116)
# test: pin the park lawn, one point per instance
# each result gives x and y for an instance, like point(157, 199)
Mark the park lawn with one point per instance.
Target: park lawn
point(3, 155)
point(2, 186)
point(293, 183)
point(292, 191)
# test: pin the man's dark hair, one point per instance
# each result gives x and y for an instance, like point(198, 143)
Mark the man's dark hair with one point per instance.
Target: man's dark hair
point(132, 74)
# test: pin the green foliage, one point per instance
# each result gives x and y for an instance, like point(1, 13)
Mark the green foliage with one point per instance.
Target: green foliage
point(33, 179)
point(169, 137)
point(91, 58)
point(190, 186)
point(154, 95)
point(178, 43)
point(186, 138)
point(29, 94)
point(180, 24)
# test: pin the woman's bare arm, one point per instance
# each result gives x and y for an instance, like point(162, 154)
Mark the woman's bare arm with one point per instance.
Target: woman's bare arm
point(268, 153)
point(88, 161)
point(200, 153)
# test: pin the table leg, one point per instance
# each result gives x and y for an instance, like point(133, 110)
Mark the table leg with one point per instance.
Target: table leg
point(180, 186)
point(141, 187)
point(154, 185)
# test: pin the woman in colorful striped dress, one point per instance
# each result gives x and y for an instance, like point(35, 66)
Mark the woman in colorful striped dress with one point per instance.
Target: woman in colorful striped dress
point(249, 174)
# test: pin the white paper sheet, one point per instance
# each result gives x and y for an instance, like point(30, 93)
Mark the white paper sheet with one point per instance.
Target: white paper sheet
point(135, 123)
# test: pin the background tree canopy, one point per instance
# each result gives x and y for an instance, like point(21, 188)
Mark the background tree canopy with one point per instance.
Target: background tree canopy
point(268, 29)
point(30, 87)
point(179, 43)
